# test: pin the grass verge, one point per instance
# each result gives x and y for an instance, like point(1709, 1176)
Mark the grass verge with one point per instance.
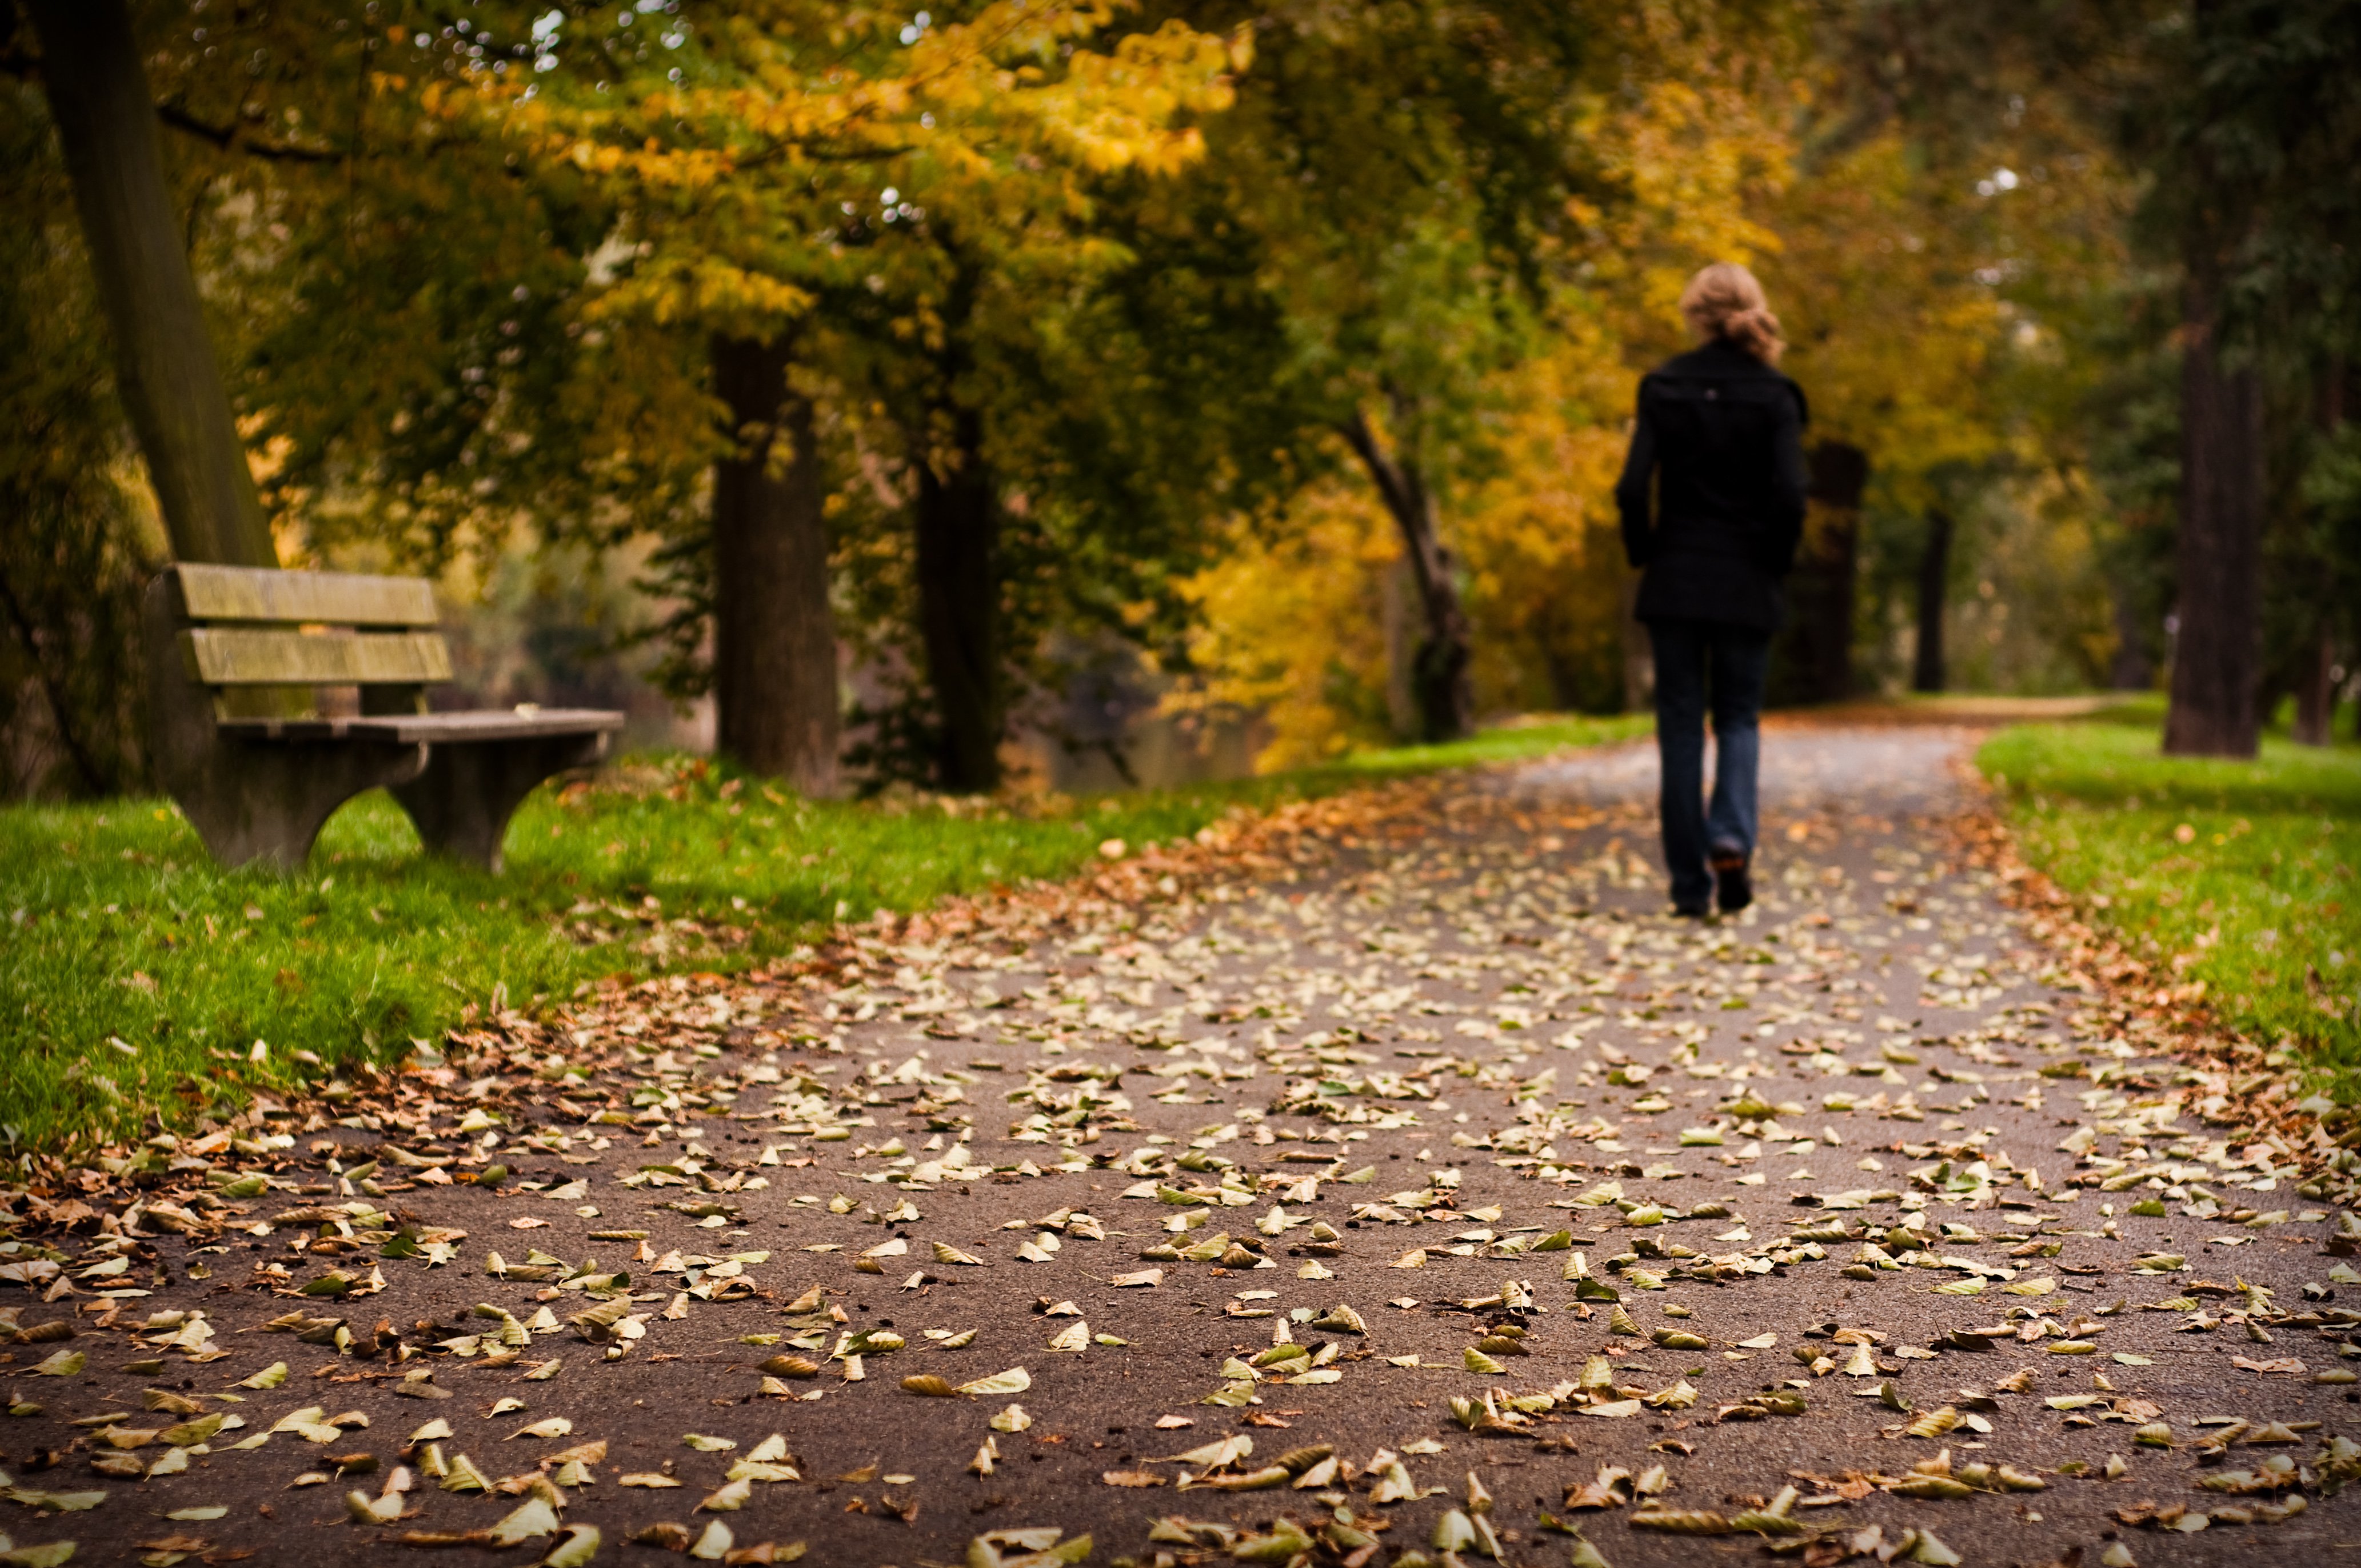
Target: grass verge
point(2236, 874)
point(139, 976)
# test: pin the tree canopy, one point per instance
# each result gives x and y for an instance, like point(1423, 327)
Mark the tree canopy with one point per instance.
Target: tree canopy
point(928, 366)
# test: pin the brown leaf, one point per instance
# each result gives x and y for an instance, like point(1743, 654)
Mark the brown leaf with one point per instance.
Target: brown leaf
point(1131, 1478)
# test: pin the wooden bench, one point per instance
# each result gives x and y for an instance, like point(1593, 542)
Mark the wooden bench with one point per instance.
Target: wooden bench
point(235, 658)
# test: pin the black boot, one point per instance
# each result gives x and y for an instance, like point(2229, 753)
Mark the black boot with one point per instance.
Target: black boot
point(1732, 889)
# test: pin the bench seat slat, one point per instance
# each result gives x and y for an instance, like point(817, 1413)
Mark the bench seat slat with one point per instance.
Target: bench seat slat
point(242, 656)
point(407, 729)
point(327, 599)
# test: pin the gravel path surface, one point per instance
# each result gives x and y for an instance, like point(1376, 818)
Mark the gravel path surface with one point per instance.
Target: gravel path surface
point(1639, 1222)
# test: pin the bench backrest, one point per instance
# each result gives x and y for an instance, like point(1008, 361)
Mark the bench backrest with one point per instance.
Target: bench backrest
point(249, 627)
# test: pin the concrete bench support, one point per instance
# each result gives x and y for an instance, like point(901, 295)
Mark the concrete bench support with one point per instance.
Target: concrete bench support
point(463, 799)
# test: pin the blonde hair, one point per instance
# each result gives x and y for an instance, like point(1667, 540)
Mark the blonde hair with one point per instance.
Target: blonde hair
point(1726, 301)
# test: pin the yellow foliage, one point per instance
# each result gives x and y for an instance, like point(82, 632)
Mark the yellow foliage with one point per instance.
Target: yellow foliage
point(1294, 627)
point(1544, 570)
point(1319, 627)
point(1894, 333)
point(1696, 146)
point(1887, 276)
point(1314, 627)
point(993, 123)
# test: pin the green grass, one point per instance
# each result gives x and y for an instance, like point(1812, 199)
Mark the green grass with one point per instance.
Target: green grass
point(139, 974)
point(1509, 743)
point(2239, 874)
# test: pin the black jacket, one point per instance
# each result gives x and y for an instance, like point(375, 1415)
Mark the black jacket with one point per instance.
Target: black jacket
point(1721, 434)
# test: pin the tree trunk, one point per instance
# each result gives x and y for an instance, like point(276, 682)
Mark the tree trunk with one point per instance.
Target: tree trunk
point(959, 604)
point(1812, 657)
point(166, 369)
point(1439, 683)
point(1398, 589)
point(773, 630)
point(2315, 695)
point(2131, 668)
point(1934, 583)
point(2218, 651)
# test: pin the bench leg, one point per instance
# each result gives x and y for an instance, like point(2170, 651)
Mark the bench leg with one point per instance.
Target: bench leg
point(462, 802)
point(251, 801)
point(266, 801)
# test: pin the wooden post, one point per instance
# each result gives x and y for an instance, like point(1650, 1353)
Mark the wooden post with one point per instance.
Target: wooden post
point(168, 375)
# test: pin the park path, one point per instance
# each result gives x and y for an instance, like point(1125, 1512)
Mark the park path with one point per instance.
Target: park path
point(1571, 1211)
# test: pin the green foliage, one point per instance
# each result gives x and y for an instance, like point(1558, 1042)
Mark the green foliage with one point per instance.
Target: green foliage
point(1123, 269)
point(398, 288)
point(1409, 177)
point(2232, 128)
point(2312, 557)
point(2248, 112)
point(2238, 875)
point(925, 207)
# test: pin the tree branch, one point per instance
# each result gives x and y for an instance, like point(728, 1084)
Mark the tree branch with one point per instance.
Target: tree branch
point(1393, 488)
point(231, 137)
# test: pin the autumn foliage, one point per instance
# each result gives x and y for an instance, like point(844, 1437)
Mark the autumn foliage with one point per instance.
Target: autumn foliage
point(925, 367)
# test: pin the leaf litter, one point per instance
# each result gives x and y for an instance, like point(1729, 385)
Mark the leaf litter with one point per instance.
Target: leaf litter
point(1400, 1014)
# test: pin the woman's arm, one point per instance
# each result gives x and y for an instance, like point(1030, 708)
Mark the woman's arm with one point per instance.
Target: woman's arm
point(1632, 491)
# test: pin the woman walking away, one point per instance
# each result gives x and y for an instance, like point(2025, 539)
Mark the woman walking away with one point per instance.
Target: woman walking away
point(1721, 434)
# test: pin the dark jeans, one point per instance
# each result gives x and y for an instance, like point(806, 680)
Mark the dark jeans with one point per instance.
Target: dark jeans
point(1691, 656)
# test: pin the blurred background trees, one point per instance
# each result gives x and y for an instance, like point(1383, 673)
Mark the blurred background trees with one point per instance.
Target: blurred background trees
point(1091, 389)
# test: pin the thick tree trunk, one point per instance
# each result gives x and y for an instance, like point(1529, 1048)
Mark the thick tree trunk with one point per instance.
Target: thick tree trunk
point(774, 632)
point(1439, 685)
point(959, 605)
point(2315, 694)
point(2218, 653)
point(167, 374)
point(1934, 585)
